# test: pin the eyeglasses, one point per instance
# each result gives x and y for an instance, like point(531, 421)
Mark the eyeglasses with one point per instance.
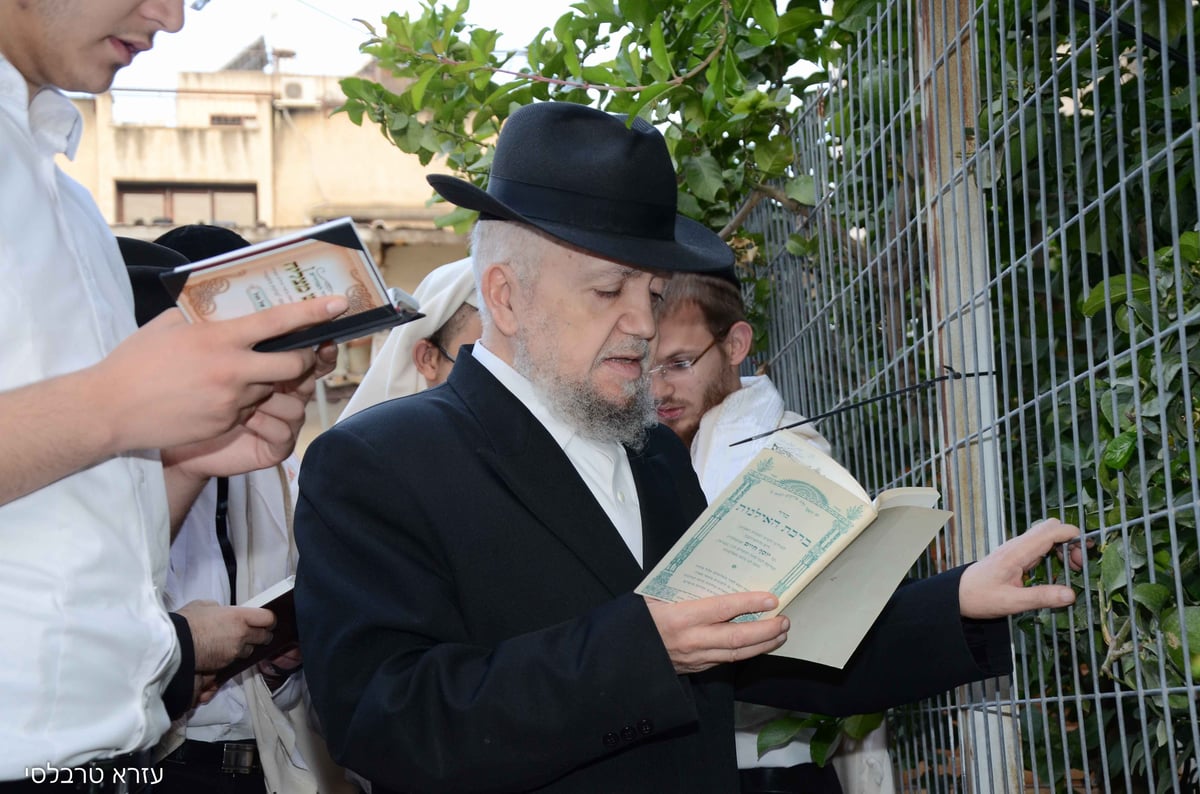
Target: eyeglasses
point(673, 369)
point(442, 350)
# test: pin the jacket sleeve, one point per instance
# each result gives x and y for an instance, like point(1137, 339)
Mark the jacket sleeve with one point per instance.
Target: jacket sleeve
point(920, 646)
point(407, 697)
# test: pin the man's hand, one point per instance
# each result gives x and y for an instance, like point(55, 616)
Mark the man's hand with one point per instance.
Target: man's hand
point(170, 383)
point(222, 634)
point(698, 634)
point(265, 437)
point(204, 688)
point(994, 586)
point(174, 382)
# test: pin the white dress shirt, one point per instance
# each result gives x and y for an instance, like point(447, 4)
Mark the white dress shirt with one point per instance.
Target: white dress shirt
point(603, 466)
point(87, 647)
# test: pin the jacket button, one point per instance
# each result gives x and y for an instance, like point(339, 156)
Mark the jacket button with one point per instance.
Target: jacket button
point(645, 727)
point(610, 739)
point(628, 733)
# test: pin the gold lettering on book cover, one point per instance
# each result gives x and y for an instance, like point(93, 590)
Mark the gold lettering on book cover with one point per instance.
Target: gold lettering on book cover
point(202, 297)
point(359, 296)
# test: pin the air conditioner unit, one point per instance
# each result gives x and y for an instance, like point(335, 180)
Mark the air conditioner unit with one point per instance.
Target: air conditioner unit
point(296, 92)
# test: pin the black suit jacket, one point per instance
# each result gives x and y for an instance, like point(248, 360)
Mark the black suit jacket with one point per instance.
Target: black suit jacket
point(468, 624)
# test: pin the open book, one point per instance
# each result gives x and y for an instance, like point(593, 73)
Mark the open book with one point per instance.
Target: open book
point(795, 523)
point(279, 599)
point(328, 259)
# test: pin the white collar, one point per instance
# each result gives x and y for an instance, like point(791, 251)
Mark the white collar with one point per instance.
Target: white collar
point(53, 120)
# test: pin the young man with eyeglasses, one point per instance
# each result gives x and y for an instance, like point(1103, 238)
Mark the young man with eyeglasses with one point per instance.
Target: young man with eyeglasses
point(703, 338)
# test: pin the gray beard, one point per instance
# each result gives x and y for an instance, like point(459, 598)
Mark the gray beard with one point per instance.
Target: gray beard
point(590, 414)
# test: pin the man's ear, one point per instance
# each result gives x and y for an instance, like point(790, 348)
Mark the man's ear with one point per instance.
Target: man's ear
point(497, 289)
point(738, 341)
point(425, 356)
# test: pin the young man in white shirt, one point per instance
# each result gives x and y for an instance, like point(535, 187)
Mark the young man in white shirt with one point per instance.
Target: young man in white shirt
point(703, 338)
point(106, 434)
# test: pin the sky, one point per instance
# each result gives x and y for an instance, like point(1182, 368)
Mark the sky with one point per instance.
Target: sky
point(321, 32)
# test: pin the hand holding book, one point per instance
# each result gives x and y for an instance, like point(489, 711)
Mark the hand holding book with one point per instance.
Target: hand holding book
point(703, 633)
point(796, 524)
point(328, 259)
point(279, 600)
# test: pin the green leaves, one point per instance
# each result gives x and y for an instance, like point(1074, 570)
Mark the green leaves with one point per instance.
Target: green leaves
point(702, 176)
point(1120, 287)
point(707, 72)
point(825, 733)
point(781, 731)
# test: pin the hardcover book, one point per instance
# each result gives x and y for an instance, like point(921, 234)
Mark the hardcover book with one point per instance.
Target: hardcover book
point(280, 599)
point(795, 523)
point(328, 259)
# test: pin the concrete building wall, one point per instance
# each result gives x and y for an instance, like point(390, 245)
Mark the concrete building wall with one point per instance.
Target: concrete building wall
point(274, 132)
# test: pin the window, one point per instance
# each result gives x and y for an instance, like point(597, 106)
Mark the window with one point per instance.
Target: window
point(177, 204)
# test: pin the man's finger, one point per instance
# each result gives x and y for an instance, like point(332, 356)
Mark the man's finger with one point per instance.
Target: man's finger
point(1044, 596)
point(1053, 531)
point(754, 632)
point(720, 609)
point(256, 327)
point(258, 617)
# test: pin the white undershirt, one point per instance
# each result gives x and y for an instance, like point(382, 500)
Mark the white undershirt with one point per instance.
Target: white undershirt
point(604, 466)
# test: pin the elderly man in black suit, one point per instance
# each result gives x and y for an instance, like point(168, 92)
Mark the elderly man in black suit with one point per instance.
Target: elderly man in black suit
point(468, 554)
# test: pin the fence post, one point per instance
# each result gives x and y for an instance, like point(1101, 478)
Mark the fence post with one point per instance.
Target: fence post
point(961, 305)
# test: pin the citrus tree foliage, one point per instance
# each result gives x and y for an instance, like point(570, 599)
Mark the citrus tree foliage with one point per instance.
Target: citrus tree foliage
point(716, 76)
point(1113, 453)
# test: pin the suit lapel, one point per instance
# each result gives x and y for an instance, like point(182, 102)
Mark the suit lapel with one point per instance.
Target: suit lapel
point(542, 478)
point(656, 492)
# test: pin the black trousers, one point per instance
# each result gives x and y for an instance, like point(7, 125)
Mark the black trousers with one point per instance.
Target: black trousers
point(799, 779)
point(212, 768)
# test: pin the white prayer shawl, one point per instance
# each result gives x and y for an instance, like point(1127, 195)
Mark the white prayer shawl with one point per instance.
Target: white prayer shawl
point(292, 753)
point(863, 767)
point(392, 372)
point(755, 408)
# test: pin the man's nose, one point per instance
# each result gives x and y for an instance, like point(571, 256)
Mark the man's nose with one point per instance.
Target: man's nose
point(661, 388)
point(638, 319)
point(167, 13)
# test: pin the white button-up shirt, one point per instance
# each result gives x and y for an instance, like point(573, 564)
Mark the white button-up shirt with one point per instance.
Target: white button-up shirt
point(86, 648)
point(604, 467)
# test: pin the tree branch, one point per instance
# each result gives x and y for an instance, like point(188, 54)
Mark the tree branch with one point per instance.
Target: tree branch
point(739, 217)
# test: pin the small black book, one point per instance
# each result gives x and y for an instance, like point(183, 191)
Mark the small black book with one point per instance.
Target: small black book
point(279, 598)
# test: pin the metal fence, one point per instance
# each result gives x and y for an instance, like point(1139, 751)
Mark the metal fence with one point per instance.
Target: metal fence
point(1010, 190)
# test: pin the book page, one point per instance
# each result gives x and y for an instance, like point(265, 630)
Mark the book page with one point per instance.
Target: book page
point(771, 529)
point(831, 616)
point(271, 593)
point(802, 451)
point(915, 496)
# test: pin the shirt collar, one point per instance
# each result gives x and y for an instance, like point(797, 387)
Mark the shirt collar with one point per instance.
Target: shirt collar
point(52, 119)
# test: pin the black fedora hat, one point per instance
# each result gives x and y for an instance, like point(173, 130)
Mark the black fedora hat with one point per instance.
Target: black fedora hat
point(584, 177)
point(199, 241)
point(145, 262)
